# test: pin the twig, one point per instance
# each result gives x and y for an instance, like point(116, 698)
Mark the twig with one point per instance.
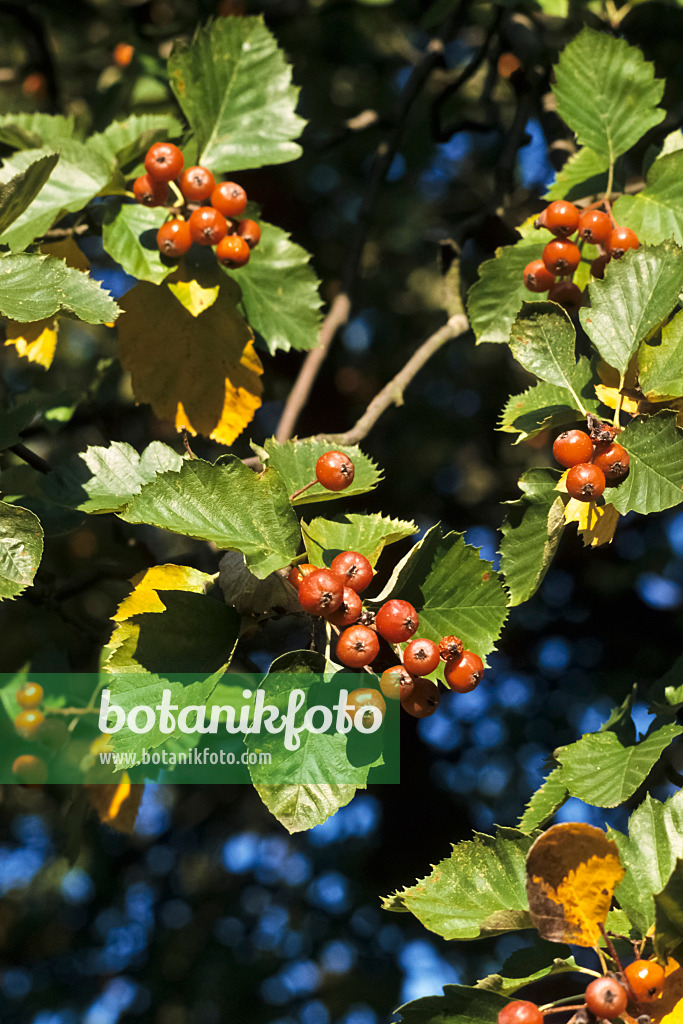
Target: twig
point(56, 234)
point(303, 489)
point(439, 133)
point(30, 457)
point(186, 443)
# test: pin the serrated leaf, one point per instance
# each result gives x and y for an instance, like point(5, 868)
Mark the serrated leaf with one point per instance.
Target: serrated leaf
point(543, 340)
point(599, 769)
point(545, 802)
point(128, 141)
point(23, 188)
point(457, 1005)
point(227, 504)
point(295, 461)
point(218, 388)
point(595, 524)
point(105, 479)
point(633, 301)
point(531, 534)
point(495, 299)
point(21, 548)
point(606, 92)
point(655, 478)
point(526, 966)
point(29, 131)
point(583, 174)
point(129, 236)
point(656, 212)
point(660, 363)
point(368, 534)
point(280, 292)
point(480, 890)
point(648, 853)
point(35, 287)
point(35, 341)
point(79, 175)
point(543, 405)
point(669, 916)
point(251, 595)
point(234, 87)
point(453, 589)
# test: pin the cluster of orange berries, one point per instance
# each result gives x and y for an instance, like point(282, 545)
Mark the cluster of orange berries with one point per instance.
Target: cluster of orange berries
point(216, 224)
point(334, 595)
point(641, 983)
point(27, 767)
point(561, 256)
point(594, 460)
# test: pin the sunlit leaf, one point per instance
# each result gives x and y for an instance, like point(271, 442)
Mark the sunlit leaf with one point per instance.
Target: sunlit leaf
point(531, 532)
point(368, 534)
point(35, 287)
point(547, 799)
point(655, 477)
point(20, 191)
point(595, 523)
point(296, 460)
point(21, 549)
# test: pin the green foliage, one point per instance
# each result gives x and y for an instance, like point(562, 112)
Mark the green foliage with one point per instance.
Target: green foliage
point(129, 236)
point(656, 213)
point(544, 803)
point(543, 340)
point(23, 188)
point(669, 919)
point(295, 461)
point(584, 173)
point(368, 534)
point(457, 1005)
point(531, 533)
point(655, 479)
point(128, 141)
point(495, 299)
point(544, 406)
point(526, 966)
point(21, 549)
point(22, 130)
point(35, 287)
point(13, 421)
point(660, 362)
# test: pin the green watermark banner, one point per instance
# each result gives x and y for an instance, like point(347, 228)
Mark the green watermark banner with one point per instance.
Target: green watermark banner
point(283, 728)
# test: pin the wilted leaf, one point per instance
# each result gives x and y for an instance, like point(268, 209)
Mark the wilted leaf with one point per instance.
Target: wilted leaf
point(36, 341)
point(595, 523)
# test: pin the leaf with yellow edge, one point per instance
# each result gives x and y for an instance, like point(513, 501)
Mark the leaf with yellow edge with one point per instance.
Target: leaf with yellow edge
point(595, 523)
point(36, 341)
point(192, 296)
point(145, 597)
point(199, 372)
point(572, 872)
point(608, 396)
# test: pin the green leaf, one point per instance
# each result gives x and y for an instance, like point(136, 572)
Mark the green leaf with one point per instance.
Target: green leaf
point(495, 299)
point(80, 175)
point(12, 422)
point(280, 292)
point(545, 802)
point(648, 855)
point(633, 301)
point(656, 212)
point(669, 919)
point(234, 87)
point(453, 589)
point(21, 548)
point(660, 363)
point(599, 769)
point(655, 478)
point(531, 533)
point(23, 188)
point(30, 131)
point(128, 141)
point(35, 287)
point(368, 534)
point(480, 890)
point(250, 595)
point(543, 405)
point(129, 236)
point(543, 340)
point(106, 479)
point(526, 966)
point(606, 92)
point(226, 504)
point(457, 1005)
point(583, 174)
point(295, 461)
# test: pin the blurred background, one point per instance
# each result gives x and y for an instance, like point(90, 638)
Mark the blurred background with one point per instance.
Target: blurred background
point(210, 913)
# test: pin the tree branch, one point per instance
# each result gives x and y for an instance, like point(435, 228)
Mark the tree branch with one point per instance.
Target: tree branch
point(30, 457)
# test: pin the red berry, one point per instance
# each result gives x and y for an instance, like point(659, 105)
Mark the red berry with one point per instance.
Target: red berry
point(35, 85)
point(297, 573)
point(561, 257)
point(250, 232)
point(620, 240)
point(357, 646)
point(30, 769)
point(355, 569)
point(566, 294)
point(30, 695)
point(520, 1012)
point(123, 54)
point(598, 266)
point(585, 482)
point(595, 227)
point(450, 647)
point(207, 226)
point(421, 657)
point(321, 592)
point(149, 192)
point(646, 979)
point(397, 621)
point(537, 277)
point(335, 471)
point(572, 447)
point(396, 683)
point(613, 459)
point(230, 198)
point(606, 998)
point(361, 700)
point(561, 217)
point(348, 611)
point(164, 161)
point(464, 673)
point(232, 251)
point(197, 184)
point(28, 722)
point(423, 699)
point(174, 238)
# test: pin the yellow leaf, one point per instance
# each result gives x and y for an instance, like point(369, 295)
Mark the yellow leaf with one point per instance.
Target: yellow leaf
point(201, 373)
point(595, 523)
point(192, 296)
point(117, 803)
point(668, 1009)
point(36, 342)
point(68, 251)
point(145, 597)
point(572, 872)
point(608, 396)
point(610, 377)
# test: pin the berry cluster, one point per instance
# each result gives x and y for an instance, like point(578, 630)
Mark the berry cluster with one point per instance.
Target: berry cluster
point(640, 984)
point(27, 768)
point(594, 460)
point(561, 256)
point(216, 224)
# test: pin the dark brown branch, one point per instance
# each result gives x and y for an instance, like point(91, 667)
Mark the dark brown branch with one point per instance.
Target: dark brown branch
point(30, 457)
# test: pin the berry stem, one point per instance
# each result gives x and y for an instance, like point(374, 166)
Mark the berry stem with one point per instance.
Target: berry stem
point(561, 1009)
point(611, 949)
point(328, 642)
point(302, 489)
point(610, 183)
point(179, 197)
point(620, 399)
